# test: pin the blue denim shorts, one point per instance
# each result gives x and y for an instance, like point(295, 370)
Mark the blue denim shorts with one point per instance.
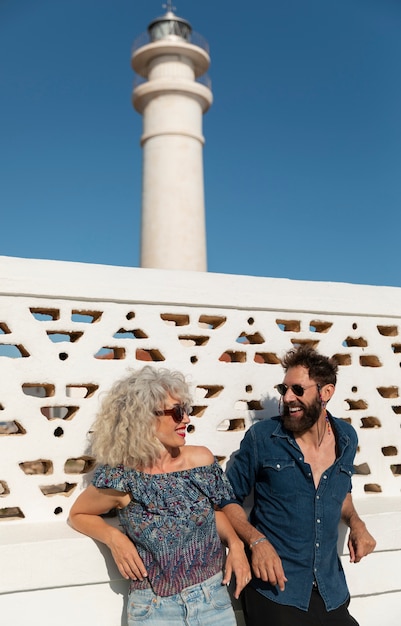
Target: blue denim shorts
point(205, 604)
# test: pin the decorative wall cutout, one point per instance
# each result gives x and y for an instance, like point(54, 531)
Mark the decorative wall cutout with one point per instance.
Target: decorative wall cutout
point(372, 488)
point(213, 321)
point(60, 335)
point(45, 314)
point(388, 331)
point(11, 428)
point(175, 320)
point(11, 513)
point(390, 450)
point(39, 390)
point(59, 412)
point(370, 360)
point(198, 411)
point(289, 325)
point(370, 422)
point(52, 490)
point(13, 351)
point(357, 405)
point(233, 356)
point(320, 326)
point(250, 338)
point(81, 465)
point(4, 490)
point(40, 466)
point(269, 358)
point(149, 355)
point(351, 342)
point(109, 352)
point(193, 340)
point(211, 391)
point(343, 359)
point(137, 333)
point(82, 390)
point(363, 469)
point(388, 392)
point(237, 423)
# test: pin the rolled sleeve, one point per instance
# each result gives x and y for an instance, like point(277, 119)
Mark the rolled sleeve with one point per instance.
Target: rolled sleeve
point(242, 469)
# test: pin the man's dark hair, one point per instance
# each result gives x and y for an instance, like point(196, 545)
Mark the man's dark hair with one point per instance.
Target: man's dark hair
point(321, 369)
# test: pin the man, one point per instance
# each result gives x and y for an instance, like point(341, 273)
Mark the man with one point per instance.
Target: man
point(299, 466)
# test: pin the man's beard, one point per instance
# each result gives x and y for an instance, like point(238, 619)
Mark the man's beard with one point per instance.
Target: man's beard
point(304, 423)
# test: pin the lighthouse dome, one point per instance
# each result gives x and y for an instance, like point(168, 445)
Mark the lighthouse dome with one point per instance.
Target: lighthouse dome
point(169, 26)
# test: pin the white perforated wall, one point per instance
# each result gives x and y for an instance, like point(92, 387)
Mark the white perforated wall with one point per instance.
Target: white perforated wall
point(227, 334)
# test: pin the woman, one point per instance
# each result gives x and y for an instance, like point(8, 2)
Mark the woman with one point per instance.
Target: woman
point(170, 545)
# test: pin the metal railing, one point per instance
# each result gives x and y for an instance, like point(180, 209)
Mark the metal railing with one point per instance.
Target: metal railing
point(203, 80)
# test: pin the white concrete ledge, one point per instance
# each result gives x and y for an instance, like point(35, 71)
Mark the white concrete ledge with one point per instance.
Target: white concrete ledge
point(51, 571)
point(57, 279)
point(46, 556)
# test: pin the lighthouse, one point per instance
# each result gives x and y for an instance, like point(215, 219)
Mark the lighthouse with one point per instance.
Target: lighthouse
point(172, 95)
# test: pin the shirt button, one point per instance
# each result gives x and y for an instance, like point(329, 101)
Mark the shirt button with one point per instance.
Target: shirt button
point(317, 497)
point(318, 521)
point(325, 477)
point(317, 545)
point(278, 465)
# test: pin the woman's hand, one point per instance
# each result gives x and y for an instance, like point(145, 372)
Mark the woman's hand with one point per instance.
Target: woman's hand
point(236, 561)
point(126, 557)
point(237, 564)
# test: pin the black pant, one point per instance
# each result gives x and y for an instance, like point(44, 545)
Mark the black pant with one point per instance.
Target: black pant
point(260, 611)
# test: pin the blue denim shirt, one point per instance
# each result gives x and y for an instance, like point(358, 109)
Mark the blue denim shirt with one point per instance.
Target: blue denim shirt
point(299, 520)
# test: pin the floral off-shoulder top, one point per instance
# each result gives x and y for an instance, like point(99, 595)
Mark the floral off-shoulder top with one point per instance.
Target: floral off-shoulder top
point(171, 521)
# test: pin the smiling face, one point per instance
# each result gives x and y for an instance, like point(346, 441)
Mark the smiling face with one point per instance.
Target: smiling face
point(169, 433)
point(300, 413)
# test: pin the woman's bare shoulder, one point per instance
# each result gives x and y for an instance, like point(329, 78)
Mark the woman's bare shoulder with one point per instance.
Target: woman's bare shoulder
point(198, 456)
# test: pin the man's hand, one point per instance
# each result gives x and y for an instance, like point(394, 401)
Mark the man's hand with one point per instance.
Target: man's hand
point(267, 565)
point(360, 543)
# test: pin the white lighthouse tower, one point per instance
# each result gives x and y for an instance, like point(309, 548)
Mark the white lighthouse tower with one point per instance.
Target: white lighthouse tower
point(172, 102)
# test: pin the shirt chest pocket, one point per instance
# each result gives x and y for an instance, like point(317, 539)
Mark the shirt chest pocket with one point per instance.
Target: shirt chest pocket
point(342, 482)
point(279, 477)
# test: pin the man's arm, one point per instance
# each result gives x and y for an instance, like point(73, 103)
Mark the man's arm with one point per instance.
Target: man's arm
point(360, 541)
point(266, 563)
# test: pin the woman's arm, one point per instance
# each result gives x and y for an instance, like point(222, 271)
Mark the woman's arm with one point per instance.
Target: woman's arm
point(85, 516)
point(236, 561)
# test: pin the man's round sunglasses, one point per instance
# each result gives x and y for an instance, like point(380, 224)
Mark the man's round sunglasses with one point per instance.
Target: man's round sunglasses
point(178, 412)
point(297, 390)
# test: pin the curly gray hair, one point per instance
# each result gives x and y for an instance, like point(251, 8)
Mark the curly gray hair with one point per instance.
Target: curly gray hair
point(124, 429)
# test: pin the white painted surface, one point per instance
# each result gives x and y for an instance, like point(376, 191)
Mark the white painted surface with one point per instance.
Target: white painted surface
point(191, 319)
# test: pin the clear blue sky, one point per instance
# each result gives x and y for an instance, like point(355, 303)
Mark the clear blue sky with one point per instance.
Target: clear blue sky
point(303, 141)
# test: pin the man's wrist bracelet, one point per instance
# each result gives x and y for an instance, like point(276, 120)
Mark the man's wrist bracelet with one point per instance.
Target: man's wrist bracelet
point(254, 543)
